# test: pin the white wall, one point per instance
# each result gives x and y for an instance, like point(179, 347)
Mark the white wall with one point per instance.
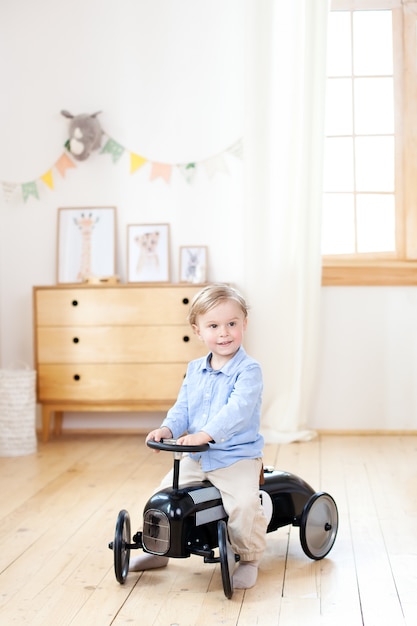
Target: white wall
point(367, 371)
point(168, 77)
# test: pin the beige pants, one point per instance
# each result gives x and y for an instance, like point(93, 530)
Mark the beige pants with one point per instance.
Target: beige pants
point(239, 486)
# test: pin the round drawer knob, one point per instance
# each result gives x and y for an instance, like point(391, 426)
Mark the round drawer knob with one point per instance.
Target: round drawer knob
point(186, 338)
point(74, 303)
point(75, 340)
point(77, 377)
point(185, 301)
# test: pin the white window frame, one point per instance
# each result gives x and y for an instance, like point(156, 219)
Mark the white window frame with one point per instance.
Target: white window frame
point(399, 268)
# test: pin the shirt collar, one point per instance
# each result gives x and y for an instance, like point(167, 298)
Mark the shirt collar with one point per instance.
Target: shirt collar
point(229, 367)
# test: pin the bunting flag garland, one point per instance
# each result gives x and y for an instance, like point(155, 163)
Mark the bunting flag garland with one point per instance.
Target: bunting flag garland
point(237, 149)
point(113, 148)
point(136, 162)
point(48, 179)
point(158, 170)
point(161, 170)
point(29, 189)
point(215, 164)
point(8, 190)
point(64, 163)
point(188, 171)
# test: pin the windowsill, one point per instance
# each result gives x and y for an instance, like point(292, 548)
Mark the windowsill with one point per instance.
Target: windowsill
point(368, 273)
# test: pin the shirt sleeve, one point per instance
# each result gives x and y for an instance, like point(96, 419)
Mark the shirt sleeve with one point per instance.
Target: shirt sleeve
point(177, 417)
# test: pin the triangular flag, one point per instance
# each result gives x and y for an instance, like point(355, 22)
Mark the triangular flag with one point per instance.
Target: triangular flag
point(215, 164)
point(29, 189)
point(48, 179)
point(64, 163)
point(136, 162)
point(114, 149)
point(237, 149)
point(8, 189)
point(161, 170)
point(188, 170)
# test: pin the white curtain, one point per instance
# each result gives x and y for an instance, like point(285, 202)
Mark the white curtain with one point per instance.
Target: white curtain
point(284, 121)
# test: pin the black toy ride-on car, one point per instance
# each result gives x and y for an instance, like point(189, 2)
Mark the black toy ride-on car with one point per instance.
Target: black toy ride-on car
point(180, 521)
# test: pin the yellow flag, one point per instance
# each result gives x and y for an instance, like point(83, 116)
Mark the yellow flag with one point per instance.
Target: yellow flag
point(48, 180)
point(136, 162)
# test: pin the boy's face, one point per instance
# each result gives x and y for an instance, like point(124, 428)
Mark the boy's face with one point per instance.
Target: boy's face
point(222, 329)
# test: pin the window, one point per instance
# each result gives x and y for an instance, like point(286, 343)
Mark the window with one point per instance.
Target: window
point(370, 198)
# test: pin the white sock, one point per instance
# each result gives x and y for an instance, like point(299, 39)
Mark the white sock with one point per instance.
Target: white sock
point(147, 561)
point(246, 575)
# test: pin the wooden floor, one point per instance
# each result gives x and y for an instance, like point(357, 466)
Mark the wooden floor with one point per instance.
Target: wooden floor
point(58, 510)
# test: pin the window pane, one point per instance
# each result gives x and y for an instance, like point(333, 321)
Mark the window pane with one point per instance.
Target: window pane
point(338, 232)
point(339, 118)
point(359, 161)
point(374, 106)
point(374, 163)
point(339, 53)
point(372, 43)
point(375, 216)
point(338, 164)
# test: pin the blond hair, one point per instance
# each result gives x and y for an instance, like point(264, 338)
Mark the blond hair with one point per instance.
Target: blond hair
point(210, 296)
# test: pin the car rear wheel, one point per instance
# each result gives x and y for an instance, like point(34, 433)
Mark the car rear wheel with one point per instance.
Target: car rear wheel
point(319, 524)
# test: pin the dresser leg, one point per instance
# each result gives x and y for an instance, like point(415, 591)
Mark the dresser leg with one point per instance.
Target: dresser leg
point(46, 422)
point(58, 423)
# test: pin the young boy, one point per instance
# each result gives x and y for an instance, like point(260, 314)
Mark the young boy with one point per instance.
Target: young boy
point(219, 403)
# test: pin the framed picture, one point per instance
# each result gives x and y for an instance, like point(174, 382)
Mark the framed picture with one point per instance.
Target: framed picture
point(86, 243)
point(148, 250)
point(193, 264)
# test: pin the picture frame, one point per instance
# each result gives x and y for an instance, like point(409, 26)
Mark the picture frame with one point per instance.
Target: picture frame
point(86, 243)
point(148, 253)
point(193, 264)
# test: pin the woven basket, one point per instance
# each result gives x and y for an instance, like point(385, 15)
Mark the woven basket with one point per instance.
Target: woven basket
point(17, 412)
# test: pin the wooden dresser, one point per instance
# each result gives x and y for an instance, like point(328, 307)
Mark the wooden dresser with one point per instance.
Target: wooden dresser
point(111, 348)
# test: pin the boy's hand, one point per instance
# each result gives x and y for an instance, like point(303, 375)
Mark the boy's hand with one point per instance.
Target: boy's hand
point(197, 439)
point(158, 434)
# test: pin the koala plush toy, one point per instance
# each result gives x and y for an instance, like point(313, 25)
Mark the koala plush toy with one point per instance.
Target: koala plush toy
point(84, 134)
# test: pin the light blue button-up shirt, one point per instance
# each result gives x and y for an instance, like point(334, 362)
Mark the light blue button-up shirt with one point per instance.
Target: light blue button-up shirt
point(226, 404)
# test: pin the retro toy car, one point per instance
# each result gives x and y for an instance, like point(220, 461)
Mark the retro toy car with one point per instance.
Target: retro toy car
point(190, 519)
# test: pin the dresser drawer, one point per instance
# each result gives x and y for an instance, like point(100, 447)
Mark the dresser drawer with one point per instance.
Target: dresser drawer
point(88, 306)
point(109, 383)
point(118, 344)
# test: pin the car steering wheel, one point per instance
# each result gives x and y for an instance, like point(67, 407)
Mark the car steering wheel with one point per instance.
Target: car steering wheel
point(171, 445)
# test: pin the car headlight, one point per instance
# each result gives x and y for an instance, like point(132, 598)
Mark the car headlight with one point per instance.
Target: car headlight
point(156, 532)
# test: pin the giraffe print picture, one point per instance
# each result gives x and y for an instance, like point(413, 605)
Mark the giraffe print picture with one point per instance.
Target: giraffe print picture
point(86, 243)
